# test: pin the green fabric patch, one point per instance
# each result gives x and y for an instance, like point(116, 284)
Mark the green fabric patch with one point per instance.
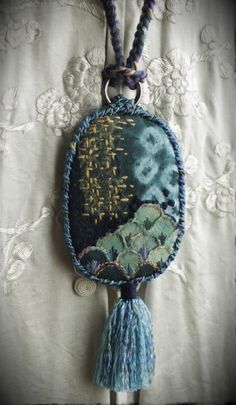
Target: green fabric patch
point(134, 249)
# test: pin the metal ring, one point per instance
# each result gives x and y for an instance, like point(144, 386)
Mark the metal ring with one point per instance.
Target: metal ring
point(107, 99)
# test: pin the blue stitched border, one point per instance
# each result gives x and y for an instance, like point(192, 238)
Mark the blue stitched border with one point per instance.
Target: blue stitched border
point(120, 104)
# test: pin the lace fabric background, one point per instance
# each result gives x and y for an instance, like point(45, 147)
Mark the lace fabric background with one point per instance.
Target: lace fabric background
point(51, 56)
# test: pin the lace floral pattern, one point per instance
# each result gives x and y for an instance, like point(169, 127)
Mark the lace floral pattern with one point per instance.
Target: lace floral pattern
point(174, 91)
point(9, 101)
point(82, 80)
point(170, 10)
point(215, 50)
point(86, 5)
point(17, 251)
point(219, 193)
point(57, 112)
point(18, 32)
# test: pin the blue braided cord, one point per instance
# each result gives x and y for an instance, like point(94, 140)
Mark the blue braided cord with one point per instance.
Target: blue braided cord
point(140, 33)
point(127, 76)
point(113, 23)
point(121, 104)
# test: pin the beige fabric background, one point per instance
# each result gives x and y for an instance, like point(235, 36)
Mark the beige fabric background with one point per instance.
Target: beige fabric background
point(51, 56)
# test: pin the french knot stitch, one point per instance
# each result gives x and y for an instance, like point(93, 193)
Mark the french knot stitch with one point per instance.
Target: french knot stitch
point(123, 75)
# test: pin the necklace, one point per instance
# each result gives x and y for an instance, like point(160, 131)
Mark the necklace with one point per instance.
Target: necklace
point(124, 209)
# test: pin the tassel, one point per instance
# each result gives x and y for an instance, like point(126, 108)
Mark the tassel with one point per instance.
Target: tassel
point(126, 358)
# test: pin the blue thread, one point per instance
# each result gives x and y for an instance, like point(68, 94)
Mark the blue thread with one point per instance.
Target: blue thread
point(126, 357)
point(120, 104)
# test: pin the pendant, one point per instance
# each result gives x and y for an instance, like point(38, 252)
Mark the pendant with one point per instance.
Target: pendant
point(124, 221)
point(123, 195)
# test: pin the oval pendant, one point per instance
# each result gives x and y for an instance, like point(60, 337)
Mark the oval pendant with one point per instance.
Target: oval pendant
point(123, 195)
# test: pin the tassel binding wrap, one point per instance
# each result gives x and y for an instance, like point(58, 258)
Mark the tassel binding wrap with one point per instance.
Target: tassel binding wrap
point(126, 358)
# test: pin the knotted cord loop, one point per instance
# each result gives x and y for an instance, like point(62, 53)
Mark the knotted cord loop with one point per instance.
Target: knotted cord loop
point(121, 72)
point(123, 75)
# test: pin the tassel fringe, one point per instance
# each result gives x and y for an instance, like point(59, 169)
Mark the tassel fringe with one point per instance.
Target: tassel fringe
point(126, 358)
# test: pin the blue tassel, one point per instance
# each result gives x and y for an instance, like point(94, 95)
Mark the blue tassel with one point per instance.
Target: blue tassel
point(126, 358)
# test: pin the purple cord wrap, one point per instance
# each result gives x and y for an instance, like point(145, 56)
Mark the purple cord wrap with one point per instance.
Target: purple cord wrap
point(127, 76)
point(128, 291)
point(121, 72)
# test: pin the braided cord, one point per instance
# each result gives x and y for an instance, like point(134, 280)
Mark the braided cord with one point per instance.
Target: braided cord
point(141, 31)
point(113, 23)
point(121, 72)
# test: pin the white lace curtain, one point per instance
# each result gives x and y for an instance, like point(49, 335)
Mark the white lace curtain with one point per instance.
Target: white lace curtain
point(51, 56)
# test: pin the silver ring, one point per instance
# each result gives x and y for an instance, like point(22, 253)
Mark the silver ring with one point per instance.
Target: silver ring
point(107, 99)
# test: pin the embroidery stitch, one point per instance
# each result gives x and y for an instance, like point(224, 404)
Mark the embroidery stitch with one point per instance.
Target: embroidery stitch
point(103, 147)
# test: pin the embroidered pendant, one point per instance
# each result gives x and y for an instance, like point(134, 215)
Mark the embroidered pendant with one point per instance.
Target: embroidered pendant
point(124, 220)
point(124, 209)
point(124, 196)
